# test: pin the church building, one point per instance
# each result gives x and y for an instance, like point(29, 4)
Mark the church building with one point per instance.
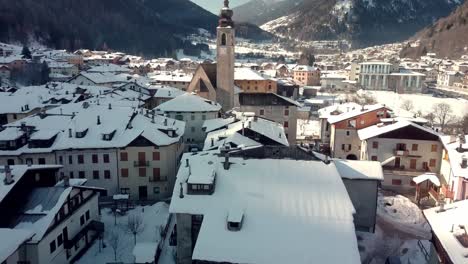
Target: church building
point(215, 81)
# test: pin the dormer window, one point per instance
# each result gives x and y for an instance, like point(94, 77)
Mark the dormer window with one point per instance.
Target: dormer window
point(108, 136)
point(201, 184)
point(81, 134)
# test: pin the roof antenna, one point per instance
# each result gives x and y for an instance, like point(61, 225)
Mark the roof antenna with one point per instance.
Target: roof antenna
point(181, 191)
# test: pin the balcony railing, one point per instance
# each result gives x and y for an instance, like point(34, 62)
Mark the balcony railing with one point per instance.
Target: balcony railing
point(141, 163)
point(400, 152)
point(157, 179)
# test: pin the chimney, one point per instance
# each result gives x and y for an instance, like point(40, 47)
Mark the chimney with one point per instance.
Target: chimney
point(464, 162)
point(181, 191)
point(226, 163)
point(8, 177)
point(98, 120)
point(165, 121)
point(363, 108)
point(70, 134)
point(66, 181)
point(187, 163)
point(255, 118)
point(110, 106)
point(152, 119)
point(212, 140)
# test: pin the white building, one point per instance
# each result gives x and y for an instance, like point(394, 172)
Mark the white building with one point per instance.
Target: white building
point(454, 168)
point(374, 75)
point(192, 109)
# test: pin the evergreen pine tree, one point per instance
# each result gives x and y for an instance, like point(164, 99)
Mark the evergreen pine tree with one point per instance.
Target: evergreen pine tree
point(26, 53)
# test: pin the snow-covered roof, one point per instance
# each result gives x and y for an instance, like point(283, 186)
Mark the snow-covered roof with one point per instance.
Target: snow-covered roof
point(214, 124)
point(145, 252)
point(17, 172)
point(281, 201)
point(189, 103)
point(326, 112)
point(455, 156)
point(380, 129)
point(267, 128)
point(359, 170)
point(11, 240)
point(248, 74)
point(168, 92)
point(357, 112)
point(432, 177)
point(446, 225)
point(305, 68)
point(109, 68)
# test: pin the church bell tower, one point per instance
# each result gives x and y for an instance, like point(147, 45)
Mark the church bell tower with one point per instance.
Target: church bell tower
point(225, 57)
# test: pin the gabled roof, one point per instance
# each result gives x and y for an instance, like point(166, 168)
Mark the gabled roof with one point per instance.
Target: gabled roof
point(377, 130)
point(11, 240)
point(355, 113)
point(189, 103)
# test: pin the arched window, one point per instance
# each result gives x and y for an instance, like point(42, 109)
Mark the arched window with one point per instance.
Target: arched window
point(223, 40)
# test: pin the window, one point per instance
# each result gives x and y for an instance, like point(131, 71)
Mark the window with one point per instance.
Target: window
point(96, 175)
point(342, 146)
point(107, 174)
point(348, 133)
point(156, 174)
point(95, 158)
point(70, 159)
point(179, 117)
point(80, 159)
point(192, 129)
point(124, 190)
point(71, 175)
point(81, 174)
point(156, 190)
point(59, 240)
point(351, 123)
point(156, 155)
point(203, 117)
point(375, 144)
point(124, 172)
point(41, 161)
point(223, 39)
point(432, 162)
point(192, 117)
point(60, 159)
point(82, 220)
point(286, 124)
point(52, 246)
point(29, 161)
point(123, 156)
point(396, 182)
point(414, 147)
point(142, 172)
point(286, 112)
point(87, 215)
point(262, 112)
point(434, 148)
point(106, 158)
point(349, 147)
point(374, 158)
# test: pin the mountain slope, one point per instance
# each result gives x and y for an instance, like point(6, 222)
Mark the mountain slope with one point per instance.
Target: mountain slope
point(153, 27)
point(364, 22)
point(448, 37)
point(259, 12)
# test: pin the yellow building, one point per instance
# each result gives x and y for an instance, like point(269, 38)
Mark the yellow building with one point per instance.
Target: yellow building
point(251, 81)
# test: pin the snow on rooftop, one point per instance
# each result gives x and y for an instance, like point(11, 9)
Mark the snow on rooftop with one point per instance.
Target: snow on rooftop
point(354, 113)
point(168, 92)
point(248, 74)
point(109, 68)
point(189, 103)
point(326, 112)
point(359, 170)
point(432, 177)
point(11, 240)
point(282, 201)
point(446, 225)
point(455, 157)
point(214, 124)
point(145, 252)
point(377, 130)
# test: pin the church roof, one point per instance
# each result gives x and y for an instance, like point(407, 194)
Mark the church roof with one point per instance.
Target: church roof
point(210, 70)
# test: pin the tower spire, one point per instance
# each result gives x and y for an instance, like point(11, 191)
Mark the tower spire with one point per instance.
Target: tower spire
point(226, 3)
point(225, 16)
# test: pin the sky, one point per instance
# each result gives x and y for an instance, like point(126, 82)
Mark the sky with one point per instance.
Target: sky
point(215, 5)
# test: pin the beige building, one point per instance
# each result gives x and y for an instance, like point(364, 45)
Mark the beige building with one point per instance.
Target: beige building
point(306, 75)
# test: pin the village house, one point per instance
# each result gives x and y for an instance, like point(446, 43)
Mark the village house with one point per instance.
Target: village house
point(56, 221)
point(448, 78)
point(406, 81)
point(405, 150)
point(193, 110)
point(253, 225)
point(273, 107)
point(174, 79)
point(5, 72)
point(454, 168)
point(251, 81)
point(306, 75)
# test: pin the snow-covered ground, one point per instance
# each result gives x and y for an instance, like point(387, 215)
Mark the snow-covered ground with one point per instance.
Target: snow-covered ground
point(308, 128)
point(153, 217)
point(400, 227)
point(421, 102)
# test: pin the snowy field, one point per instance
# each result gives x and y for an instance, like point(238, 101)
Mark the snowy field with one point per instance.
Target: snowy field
point(308, 128)
point(153, 218)
point(421, 102)
point(400, 227)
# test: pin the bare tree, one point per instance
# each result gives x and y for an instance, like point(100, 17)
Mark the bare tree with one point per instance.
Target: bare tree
point(443, 114)
point(135, 225)
point(114, 241)
point(407, 105)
